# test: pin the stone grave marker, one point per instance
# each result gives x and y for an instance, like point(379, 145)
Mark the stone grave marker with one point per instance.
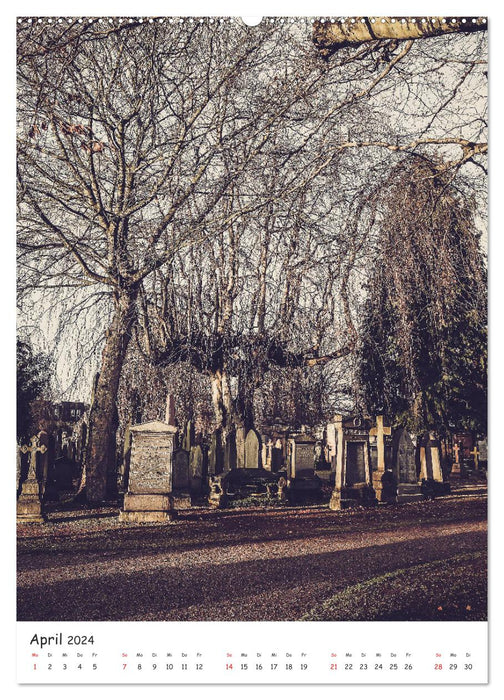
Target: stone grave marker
point(404, 457)
point(282, 488)
point(456, 449)
point(230, 451)
point(379, 432)
point(150, 483)
point(240, 447)
point(352, 478)
point(29, 505)
point(404, 467)
point(433, 458)
point(170, 410)
point(196, 469)
point(302, 457)
point(181, 479)
point(331, 443)
point(277, 456)
point(217, 497)
point(302, 480)
point(483, 454)
point(215, 454)
point(267, 452)
point(252, 450)
point(188, 439)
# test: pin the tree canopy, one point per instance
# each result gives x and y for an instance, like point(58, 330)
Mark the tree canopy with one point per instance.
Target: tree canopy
point(423, 348)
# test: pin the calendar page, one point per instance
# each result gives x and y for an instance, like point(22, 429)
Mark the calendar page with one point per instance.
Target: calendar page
point(251, 440)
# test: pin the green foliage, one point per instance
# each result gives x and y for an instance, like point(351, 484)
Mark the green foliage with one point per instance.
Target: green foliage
point(423, 356)
point(32, 375)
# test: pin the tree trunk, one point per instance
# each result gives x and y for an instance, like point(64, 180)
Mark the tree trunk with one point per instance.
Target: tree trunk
point(103, 420)
point(330, 37)
point(221, 399)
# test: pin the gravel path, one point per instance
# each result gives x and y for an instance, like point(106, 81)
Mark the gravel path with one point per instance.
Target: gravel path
point(230, 565)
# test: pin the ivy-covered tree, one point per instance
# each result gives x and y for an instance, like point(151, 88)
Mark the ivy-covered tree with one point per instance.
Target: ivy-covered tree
point(33, 375)
point(423, 354)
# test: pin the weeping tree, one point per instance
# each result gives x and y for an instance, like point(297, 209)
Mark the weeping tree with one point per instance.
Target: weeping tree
point(423, 353)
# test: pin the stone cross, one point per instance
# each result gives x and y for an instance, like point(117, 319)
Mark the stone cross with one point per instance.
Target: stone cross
point(380, 431)
point(475, 454)
point(170, 410)
point(456, 450)
point(33, 448)
point(29, 506)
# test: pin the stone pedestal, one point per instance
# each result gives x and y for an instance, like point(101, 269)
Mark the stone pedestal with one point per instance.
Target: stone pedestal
point(29, 506)
point(150, 483)
point(147, 508)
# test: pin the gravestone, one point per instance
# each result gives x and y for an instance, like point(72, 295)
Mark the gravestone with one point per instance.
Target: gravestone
point(215, 454)
point(353, 483)
point(331, 444)
point(196, 469)
point(456, 450)
point(483, 454)
point(404, 457)
point(230, 451)
point(277, 456)
point(240, 447)
point(355, 463)
point(404, 467)
point(302, 481)
point(170, 410)
point(180, 470)
point(188, 439)
point(52, 491)
point(217, 497)
point(150, 483)
point(252, 450)
point(267, 452)
point(29, 505)
point(181, 479)
point(282, 488)
point(379, 433)
point(125, 461)
point(43, 463)
point(433, 458)
point(302, 457)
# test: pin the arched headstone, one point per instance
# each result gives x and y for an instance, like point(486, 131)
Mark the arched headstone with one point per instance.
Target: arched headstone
point(404, 457)
point(252, 450)
point(181, 479)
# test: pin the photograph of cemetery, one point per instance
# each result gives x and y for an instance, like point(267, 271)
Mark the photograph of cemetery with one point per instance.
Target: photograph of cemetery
point(252, 319)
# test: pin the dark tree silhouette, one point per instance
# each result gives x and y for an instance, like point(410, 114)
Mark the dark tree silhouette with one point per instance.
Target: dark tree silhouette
point(423, 356)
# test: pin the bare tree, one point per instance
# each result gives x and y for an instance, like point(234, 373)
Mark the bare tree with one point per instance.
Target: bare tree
point(192, 179)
